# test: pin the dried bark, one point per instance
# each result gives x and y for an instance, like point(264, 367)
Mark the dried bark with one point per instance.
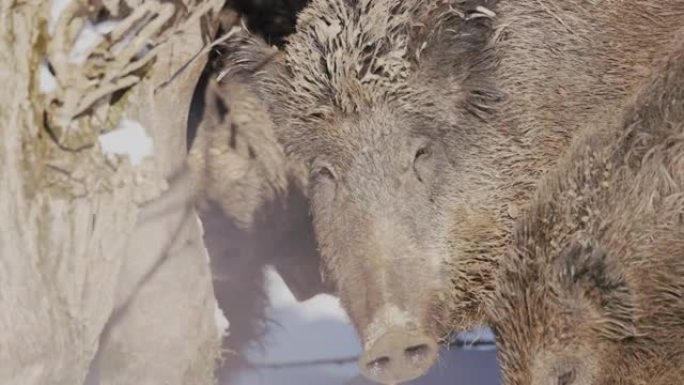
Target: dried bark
point(95, 257)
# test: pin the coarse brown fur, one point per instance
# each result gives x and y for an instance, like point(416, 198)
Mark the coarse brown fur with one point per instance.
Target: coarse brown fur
point(426, 126)
point(254, 211)
point(592, 291)
point(251, 198)
point(236, 160)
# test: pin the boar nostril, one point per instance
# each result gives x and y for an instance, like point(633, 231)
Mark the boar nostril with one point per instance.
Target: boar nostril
point(398, 355)
point(417, 353)
point(378, 364)
point(567, 378)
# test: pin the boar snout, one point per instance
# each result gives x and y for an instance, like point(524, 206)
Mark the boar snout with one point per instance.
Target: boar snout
point(398, 355)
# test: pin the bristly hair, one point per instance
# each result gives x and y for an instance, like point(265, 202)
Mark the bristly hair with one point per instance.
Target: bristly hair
point(349, 56)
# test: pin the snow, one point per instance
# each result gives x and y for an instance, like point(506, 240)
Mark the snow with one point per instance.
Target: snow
point(88, 37)
point(47, 82)
point(309, 325)
point(481, 334)
point(319, 307)
point(220, 320)
point(128, 138)
point(55, 11)
point(319, 329)
point(106, 26)
point(315, 329)
point(204, 248)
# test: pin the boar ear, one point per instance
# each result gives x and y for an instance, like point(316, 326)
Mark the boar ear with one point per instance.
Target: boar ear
point(453, 32)
point(208, 110)
point(248, 60)
point(455, 46)
point(592, 280)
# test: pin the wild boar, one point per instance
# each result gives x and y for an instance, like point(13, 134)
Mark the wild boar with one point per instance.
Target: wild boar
point(592, 291)
point(254, 212)
point(425, 127)
point(251, 198)
point(235, 158)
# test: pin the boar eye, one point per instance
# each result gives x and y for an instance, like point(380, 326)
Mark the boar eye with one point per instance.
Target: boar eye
point(323, 184)
point(422, 152)
point(567, 378)
point(419, 167)
point(322, 172)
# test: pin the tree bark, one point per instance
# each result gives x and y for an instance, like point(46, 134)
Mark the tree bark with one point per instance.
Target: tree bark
point(97, 258)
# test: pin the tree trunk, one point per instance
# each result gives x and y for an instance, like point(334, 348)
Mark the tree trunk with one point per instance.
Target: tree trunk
point(101, 268)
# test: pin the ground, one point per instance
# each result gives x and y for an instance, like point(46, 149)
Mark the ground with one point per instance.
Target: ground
point(318, 329)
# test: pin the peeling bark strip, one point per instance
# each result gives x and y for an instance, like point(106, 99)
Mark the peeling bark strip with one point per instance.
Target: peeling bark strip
point(78, 75)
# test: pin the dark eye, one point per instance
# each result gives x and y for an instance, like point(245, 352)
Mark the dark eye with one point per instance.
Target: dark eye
point(567, 378)
point(421, 166)
point(423, 152)
point(323, 183)
point(322, 172)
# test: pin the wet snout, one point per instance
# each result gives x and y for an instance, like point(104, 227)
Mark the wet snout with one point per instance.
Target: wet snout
point(398, 355)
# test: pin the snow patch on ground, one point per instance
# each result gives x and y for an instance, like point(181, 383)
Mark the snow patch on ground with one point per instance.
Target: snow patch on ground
point(128, 138)
point(475, 335)
point(319, 329)
point(315, 329)
point(319, 307)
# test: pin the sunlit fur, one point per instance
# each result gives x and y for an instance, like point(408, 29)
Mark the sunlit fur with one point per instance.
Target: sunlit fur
point(499, 97)
point(592, 291)
point(236, 161)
